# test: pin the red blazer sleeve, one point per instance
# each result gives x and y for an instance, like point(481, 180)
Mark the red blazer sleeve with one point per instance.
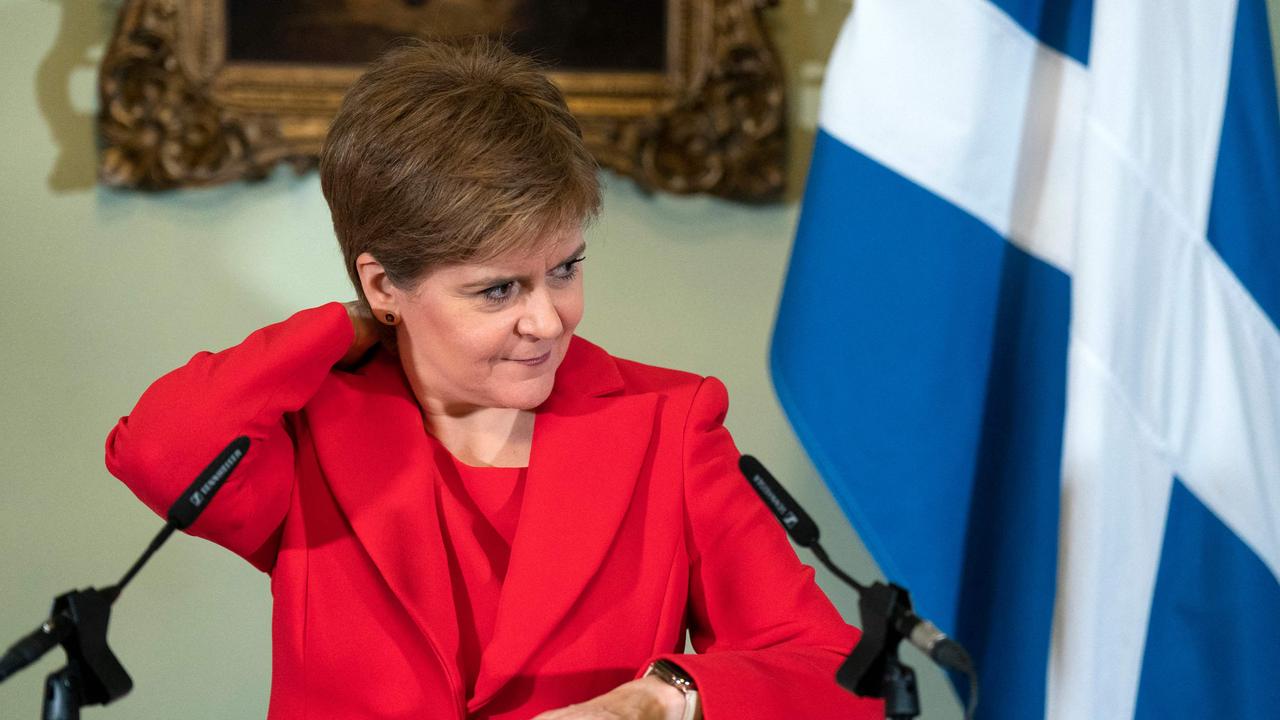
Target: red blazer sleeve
point(186, 417)
point(768, 640)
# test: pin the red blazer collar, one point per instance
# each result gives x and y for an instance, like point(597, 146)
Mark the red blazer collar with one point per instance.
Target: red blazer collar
point(586, 371)
point(370, 440)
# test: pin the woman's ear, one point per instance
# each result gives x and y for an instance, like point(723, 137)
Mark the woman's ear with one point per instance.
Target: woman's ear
point(381, 294)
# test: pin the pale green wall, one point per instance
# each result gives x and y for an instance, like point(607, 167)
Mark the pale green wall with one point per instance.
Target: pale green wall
point(1273, 11)
point(104, 291)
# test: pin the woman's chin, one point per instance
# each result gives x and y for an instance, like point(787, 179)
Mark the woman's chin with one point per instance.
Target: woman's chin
point(527, 395)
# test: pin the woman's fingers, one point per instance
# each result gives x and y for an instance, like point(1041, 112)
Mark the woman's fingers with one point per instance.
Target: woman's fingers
point(366, 329)
point(644, 699)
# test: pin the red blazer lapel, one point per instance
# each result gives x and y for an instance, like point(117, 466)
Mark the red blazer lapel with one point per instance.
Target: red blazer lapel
point(372, 445)
point(588, 451)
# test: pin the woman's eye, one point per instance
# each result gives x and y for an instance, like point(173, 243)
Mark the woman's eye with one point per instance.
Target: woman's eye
point(569, 270)
point(498, 293)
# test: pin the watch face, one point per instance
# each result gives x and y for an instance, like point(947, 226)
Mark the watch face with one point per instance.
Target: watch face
point(672, 674)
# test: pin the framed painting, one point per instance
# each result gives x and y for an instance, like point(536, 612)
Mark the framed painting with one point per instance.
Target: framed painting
point(684, 96)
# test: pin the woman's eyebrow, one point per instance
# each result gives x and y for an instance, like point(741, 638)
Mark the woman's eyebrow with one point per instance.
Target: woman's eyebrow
point(574, 255)
point(494, 280)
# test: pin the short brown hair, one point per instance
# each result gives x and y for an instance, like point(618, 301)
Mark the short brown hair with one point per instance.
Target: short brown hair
point(447, 152)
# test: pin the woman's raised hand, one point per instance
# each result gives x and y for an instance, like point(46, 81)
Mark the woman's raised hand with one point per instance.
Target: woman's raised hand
point(648, 698)
point(366, 335)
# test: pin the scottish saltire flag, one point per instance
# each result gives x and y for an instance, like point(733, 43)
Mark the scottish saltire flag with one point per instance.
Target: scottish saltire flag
point(1029, 335)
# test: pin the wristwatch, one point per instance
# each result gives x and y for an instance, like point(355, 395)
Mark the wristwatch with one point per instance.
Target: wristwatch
point(673, 675)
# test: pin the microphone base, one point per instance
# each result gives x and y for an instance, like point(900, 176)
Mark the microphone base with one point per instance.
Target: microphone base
point(901, 696)
point(873, 668)
point(62, 696)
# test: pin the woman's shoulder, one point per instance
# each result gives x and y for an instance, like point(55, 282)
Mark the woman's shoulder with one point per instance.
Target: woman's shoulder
point(588, 362)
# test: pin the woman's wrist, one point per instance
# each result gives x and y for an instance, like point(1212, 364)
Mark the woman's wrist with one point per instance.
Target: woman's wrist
point(669, 700)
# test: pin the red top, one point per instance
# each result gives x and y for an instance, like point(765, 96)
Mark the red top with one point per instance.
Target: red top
point(635, 526)
point(479, 508)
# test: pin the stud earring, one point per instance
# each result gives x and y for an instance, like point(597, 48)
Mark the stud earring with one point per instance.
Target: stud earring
point(391, 318)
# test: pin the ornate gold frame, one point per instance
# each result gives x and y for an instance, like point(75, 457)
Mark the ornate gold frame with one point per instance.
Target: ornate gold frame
point(174, 113)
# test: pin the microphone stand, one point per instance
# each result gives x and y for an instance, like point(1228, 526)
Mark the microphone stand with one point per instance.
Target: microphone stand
point(872, 668)
point(78, 622)
point(92, 675)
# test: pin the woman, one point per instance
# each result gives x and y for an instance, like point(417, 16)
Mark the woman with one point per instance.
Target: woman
point(465, 510)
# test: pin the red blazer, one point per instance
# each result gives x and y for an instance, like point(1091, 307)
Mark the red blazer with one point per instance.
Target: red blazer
point(635, 525)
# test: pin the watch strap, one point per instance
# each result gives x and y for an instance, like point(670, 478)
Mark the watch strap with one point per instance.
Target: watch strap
point(676, 677)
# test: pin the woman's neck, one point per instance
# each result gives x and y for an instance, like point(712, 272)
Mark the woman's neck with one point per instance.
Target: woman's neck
point(499, 437)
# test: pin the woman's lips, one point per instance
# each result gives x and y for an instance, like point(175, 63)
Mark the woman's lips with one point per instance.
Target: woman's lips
point(534, 360)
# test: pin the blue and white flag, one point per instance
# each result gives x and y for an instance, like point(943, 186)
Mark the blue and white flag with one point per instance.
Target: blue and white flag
point(1029, 335)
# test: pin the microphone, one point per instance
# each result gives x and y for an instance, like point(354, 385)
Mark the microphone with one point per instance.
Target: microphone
point(184, 511)
point(802, 529)
point(190, 504)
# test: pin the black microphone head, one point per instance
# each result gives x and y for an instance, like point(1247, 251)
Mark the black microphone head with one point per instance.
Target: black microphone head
point(797, 522)
point(193, 502)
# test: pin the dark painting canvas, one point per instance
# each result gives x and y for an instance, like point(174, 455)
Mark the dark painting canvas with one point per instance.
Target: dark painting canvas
point(605, 35)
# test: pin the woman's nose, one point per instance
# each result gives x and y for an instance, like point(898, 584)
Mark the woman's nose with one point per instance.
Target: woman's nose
point(541, 318)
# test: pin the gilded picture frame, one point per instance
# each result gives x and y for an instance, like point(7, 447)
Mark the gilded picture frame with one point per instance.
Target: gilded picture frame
point(177, 110)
